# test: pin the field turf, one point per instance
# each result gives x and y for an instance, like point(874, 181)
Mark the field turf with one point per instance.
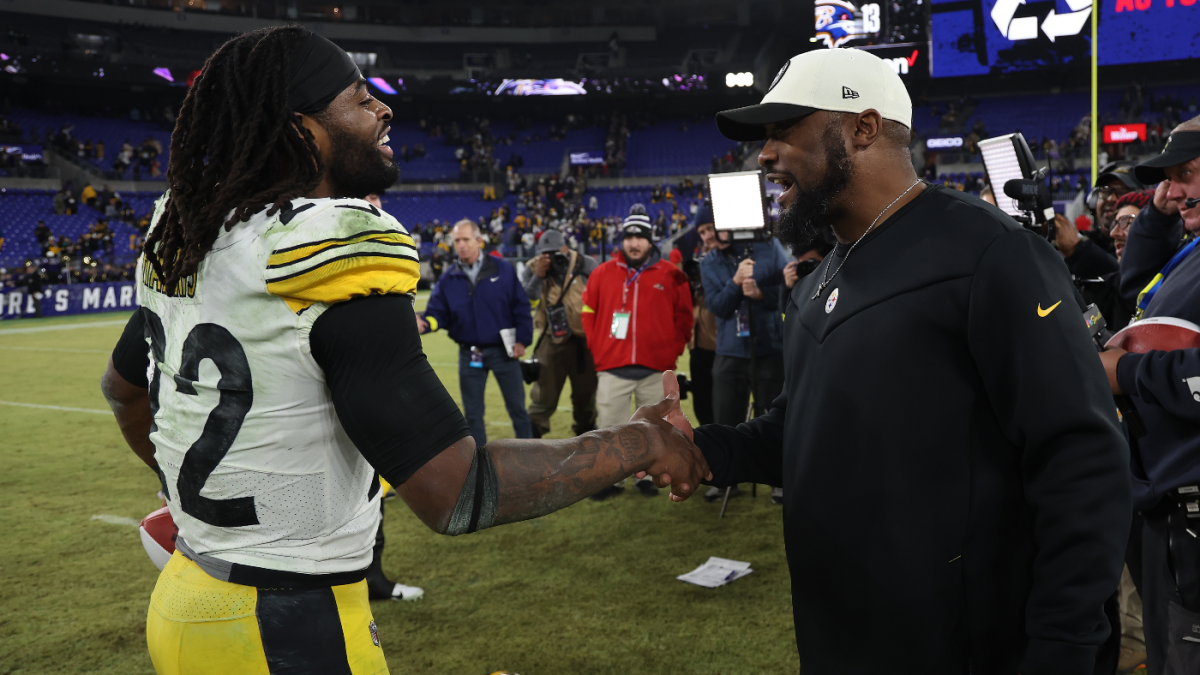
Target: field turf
point(590, 589)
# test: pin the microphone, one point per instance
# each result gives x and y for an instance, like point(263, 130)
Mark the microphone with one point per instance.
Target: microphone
point(1191, 203)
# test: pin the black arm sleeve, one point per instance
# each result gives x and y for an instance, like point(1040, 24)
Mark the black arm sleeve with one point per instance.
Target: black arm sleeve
point(131, 356)
point(751, 452)
point(387, 397)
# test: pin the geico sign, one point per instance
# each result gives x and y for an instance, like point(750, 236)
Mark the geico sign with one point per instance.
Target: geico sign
point(942, 143)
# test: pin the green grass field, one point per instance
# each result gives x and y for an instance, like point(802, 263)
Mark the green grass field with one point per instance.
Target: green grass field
point(590, 589)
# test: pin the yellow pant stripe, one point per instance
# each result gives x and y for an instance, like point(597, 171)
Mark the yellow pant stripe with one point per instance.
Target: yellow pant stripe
point(198, 625)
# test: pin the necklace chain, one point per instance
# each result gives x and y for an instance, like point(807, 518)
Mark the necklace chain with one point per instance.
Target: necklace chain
point(825, 282)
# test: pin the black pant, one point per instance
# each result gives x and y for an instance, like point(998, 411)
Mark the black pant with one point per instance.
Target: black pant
point(702, 384)
point(731, 386)
point(1171, 618)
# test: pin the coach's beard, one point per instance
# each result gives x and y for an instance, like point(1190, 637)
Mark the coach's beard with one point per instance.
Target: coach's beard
point(358, 169)
point(811, 207)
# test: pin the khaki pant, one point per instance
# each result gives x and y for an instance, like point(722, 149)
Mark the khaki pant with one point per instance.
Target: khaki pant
point(573, 360)
point(1130, 603)
point(614, 394)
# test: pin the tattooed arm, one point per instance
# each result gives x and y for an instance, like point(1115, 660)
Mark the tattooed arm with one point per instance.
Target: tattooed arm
point(537, 477)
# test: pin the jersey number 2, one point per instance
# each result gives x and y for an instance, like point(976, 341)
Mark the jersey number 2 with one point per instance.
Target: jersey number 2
point(209, 341)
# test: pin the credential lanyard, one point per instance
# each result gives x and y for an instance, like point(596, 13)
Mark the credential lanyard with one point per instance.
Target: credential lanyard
point(628, 281)
point(1156, 283)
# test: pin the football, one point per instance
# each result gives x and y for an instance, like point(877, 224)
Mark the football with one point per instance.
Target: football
point(158, 533)
point(1156, 334)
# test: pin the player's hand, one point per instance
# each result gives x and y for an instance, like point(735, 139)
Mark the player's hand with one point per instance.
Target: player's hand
point(744, 269)
point(675, 415)
point(675, 459)
point(1109, 358)
point(422, 326)
point(1066, 236)
point(1165, 206)
point(518, 350)
point(542, 267)
point(790, 275)
point(750, 289)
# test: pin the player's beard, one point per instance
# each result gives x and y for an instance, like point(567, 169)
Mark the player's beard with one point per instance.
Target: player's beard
point(812, 208)
point(357, 168)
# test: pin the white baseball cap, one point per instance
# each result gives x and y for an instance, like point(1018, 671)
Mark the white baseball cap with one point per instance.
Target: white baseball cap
point(837, 80)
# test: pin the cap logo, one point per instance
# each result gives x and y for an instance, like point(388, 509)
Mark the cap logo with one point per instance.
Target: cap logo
point(847, 92)
point(779, 75)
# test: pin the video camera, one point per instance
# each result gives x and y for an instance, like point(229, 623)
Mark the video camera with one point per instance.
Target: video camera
point(739, 204)
point(1008, 162)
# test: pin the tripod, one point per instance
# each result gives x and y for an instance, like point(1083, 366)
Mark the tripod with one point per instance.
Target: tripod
point(747, 255)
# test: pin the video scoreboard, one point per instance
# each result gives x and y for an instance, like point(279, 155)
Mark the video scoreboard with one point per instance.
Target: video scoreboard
point(956, 38)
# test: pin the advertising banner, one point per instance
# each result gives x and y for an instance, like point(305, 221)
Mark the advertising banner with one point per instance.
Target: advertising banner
point(67, 299)
point(1124, 133)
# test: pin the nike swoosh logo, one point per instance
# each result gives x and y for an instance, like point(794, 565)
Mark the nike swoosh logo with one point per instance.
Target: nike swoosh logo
point(498, 279)
point(1044, 312)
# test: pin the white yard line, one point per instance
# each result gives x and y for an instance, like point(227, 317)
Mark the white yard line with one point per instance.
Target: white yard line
point(52, 349)
point(117, 520)
point(67, 326)
point(57, 407)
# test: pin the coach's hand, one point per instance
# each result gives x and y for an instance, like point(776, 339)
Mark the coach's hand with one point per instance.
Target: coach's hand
point(675, 460)
point(1165, 206)
point(422, 325)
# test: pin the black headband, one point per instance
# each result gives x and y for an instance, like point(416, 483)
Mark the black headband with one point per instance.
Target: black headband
point(320, 70)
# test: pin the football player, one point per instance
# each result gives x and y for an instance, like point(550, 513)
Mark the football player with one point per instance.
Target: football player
point(274, 368)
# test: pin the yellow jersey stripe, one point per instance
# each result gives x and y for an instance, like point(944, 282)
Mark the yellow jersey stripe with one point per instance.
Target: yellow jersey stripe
point(587, 310)
point(298, 253)
point(345, 278)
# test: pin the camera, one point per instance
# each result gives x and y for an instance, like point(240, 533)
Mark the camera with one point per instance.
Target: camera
point(685, 386)
point(559, 262)
point(1009, 163)
point(806, 267)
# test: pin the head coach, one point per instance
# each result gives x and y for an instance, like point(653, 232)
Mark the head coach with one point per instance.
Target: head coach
point(956, 484)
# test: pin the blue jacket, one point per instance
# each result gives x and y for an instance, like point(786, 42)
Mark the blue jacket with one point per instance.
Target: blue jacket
point(723, 299)
point(474, 314)
point(1164, 385)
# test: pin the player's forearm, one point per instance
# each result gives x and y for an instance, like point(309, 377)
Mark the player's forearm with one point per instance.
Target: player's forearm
point(131, 407)
point(134, 420)
point(538, 477)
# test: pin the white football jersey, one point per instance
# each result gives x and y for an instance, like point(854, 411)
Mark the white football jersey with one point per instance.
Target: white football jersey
point(259, 469)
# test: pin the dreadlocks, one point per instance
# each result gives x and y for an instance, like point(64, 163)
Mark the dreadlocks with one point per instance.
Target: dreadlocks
point(236, 148)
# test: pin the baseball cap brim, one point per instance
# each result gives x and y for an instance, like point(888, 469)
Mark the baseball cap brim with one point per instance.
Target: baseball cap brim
point(750, 123)
point(1127, 178)
point(1183, 147)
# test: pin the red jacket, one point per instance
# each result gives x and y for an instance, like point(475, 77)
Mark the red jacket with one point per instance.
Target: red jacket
point(659, 302)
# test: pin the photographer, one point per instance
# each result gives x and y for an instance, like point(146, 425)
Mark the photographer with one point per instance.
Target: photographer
point(1164, 275)
point(702, 348)
point(558, 278)
point(741, 286)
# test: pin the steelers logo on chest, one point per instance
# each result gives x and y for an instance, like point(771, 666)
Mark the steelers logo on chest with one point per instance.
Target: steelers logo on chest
point(832, 301)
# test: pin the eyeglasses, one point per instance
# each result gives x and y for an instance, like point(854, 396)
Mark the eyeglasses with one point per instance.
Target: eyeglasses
point(1107, 191)
point(1122, 222)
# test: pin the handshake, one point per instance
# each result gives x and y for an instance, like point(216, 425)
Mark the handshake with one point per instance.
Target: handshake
point(675, 460)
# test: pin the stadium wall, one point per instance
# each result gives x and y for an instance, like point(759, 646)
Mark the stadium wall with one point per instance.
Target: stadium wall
point(68, 299)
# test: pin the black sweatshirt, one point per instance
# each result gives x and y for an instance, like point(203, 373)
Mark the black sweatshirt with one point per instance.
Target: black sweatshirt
point(956, 487)
point(1164, 385)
